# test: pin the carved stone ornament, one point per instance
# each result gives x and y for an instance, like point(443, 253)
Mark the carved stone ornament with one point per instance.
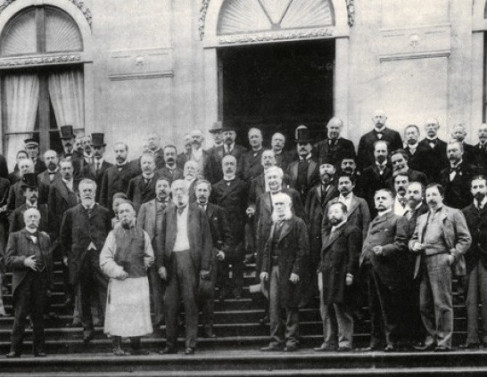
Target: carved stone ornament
point(41, 60)
point(78, 3)
point(350, 12)
point(276, 36)
point(202, 20)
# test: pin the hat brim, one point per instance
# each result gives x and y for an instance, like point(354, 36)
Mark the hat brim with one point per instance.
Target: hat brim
point(98, 145)
point(215, 130)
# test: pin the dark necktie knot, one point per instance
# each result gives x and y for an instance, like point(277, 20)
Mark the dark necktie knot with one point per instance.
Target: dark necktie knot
point(181, 209)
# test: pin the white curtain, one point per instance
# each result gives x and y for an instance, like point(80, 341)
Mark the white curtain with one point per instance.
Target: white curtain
point(22, 100)
point(66, 90)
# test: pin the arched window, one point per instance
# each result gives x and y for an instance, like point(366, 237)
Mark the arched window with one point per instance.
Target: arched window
point(42, 83)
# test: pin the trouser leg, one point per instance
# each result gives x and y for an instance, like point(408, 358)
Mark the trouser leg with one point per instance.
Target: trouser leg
point(22, 300)
point(483, 296)
point(345, 325)
point(172, 300)
point(330, 325)
point(38, 304)
point(472, 305)
point(156, 287)
point(427, 307)
point(376, 333)
point(275, 311)
point(292, 326)
point(84, 289)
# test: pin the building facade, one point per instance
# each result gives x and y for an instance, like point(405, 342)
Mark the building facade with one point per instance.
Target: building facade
point(130, 67)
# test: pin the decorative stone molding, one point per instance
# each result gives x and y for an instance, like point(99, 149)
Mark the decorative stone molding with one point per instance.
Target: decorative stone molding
point(350, 12)
point(42, 60)
point(78, 3)
point(277, 36)
point(202, 19)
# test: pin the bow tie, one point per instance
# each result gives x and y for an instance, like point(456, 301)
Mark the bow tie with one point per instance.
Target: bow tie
point(52, 173)
point(453, 169)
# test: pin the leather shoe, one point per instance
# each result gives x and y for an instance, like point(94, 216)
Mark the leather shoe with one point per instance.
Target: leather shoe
point(442, 349)
point(40, 354)
point(425, 347)
point(291, 348)
point(12, 355)
point(324, 348)
point(139, 352)
point(88, 335)
point(189, 351)
point(469, 346)
point(390, 348)
point(371, 348)
point(168, 351)
point(344, 349)
point(271, 348)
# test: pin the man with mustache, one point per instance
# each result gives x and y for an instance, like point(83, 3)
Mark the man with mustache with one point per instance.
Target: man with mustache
point(384, 254)
point(439, 241)
point(456, 178)
point(278, 142)
point(230, 194)
point(186, 154)
point(154, 145)
point(49, 175)
point(334, 147)
point(183, 255)
point(83, 232)
point(401, 182)
point(476, 261)
point(32, 148)
point(16, 196)
point(348, 165)
point(411, 140)
point(171, 171)
point(95, 169)
point(68, 137)
point(376, 176)
point(459, 133)
point(303, 173)
point(400, 165)
point(141, 189)
point(214, 171)
point(190, 175)
point(431, 152)
point(197, 153)
point(217, 134)
point(251, 162)
point(150, 219)
point(365, 154)
point(117, 177)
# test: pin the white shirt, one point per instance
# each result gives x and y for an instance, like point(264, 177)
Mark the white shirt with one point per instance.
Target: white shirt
point(453, 174)
point(347, 201)
point(182, 240)
point(398, 208)
point(98, 163)
point(339, 225)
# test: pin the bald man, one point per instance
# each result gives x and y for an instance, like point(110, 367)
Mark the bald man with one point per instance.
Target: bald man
point(334, 147)
point(459, 133)
point(365, 152)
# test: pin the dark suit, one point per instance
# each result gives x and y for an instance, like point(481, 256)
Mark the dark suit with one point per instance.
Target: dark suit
point(413, 162)
point(339, 257)
point(333, 151)
point(89, 171)
point(252, 164)
point(44, 183)
point(116, 179)
point(4, 191)
point(283, 160)
point(469, 154)
point(170, 175)
point(159, 158)
point(39, 166)
point(17, 218)
point(202, 164)
point(183, 269)
point(3, 167)
point(29, 288)
point(371, 181)
point(481, 158)
point(284, 253)
point(140, 192)
point(476, 278)
point(457, 191)
point(365, 153)
point(83, 234)
point(15, 196)
point(222, 240)
point(387, 276)
point(149, 218)
point(310, 175)
point(231, 196)
point(214, 172)
point(59, 201)
point(431, 161)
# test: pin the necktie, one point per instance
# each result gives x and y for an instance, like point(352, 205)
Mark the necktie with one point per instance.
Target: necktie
point(181, 209)
point(97, 166)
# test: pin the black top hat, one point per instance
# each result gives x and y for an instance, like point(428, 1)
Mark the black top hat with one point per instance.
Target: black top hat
point(217, 127)
point(98, 140)
point(228, 126)
point(34, 140)
point(302, 135)
point(67, 132)
point(29, 180)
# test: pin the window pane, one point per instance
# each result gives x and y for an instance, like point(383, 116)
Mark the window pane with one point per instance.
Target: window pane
point(19, 37)
point(62, 34)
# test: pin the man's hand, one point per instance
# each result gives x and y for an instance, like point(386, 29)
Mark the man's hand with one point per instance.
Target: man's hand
point(349, 279)
point(450, 259)
point(417, 247)
point(162, 273)
point(250, 211)
point(264, 276)
point(320, 281)
point(205, 274)
point(220, 255)
point(30, 262)
point(65, 261)
point(377, 250)
point(147, 263)
point(294, 278)
point(122, 276)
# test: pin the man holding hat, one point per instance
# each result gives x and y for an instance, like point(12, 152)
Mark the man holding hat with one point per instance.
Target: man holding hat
point(304, 172)
point(31, 193)
point(32, 148)
point(98, 166)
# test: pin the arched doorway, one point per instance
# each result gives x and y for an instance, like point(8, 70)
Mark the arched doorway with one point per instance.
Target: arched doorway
point(278, 63)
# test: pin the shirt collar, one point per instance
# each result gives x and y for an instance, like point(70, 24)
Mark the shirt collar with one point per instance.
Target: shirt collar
point(148, 176)
point(380, 130)
point(482, 203)
point(385, 212)
point(339, 225)
point(457, 164)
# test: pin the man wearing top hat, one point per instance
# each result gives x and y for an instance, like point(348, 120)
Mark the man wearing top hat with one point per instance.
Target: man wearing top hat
point(213, 171)
point(32, 148)
point(30, 189)
point(67, 139)
point(303, 173)
point(98, 166)
point(216, 132)
point(16, 196)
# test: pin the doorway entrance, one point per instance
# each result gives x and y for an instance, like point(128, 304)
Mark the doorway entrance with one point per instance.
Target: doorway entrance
point(277, 87)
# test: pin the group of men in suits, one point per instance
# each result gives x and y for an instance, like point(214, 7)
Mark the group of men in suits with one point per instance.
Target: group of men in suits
point(363, 216)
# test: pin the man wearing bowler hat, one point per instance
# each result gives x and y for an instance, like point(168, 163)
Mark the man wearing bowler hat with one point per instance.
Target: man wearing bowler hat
point(97, 168)
point(216, 132)
point(32, 148)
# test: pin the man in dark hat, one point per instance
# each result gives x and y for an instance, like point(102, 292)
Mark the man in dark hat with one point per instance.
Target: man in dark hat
point(67, 139)
point(216, 132)
point(214, 172)
point(32, 148)
point(97, 168)
point(31, 193)
point(304, 173)
point(16, 196)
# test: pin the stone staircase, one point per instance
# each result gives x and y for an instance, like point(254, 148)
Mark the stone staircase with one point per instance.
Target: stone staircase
point(234, 352)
